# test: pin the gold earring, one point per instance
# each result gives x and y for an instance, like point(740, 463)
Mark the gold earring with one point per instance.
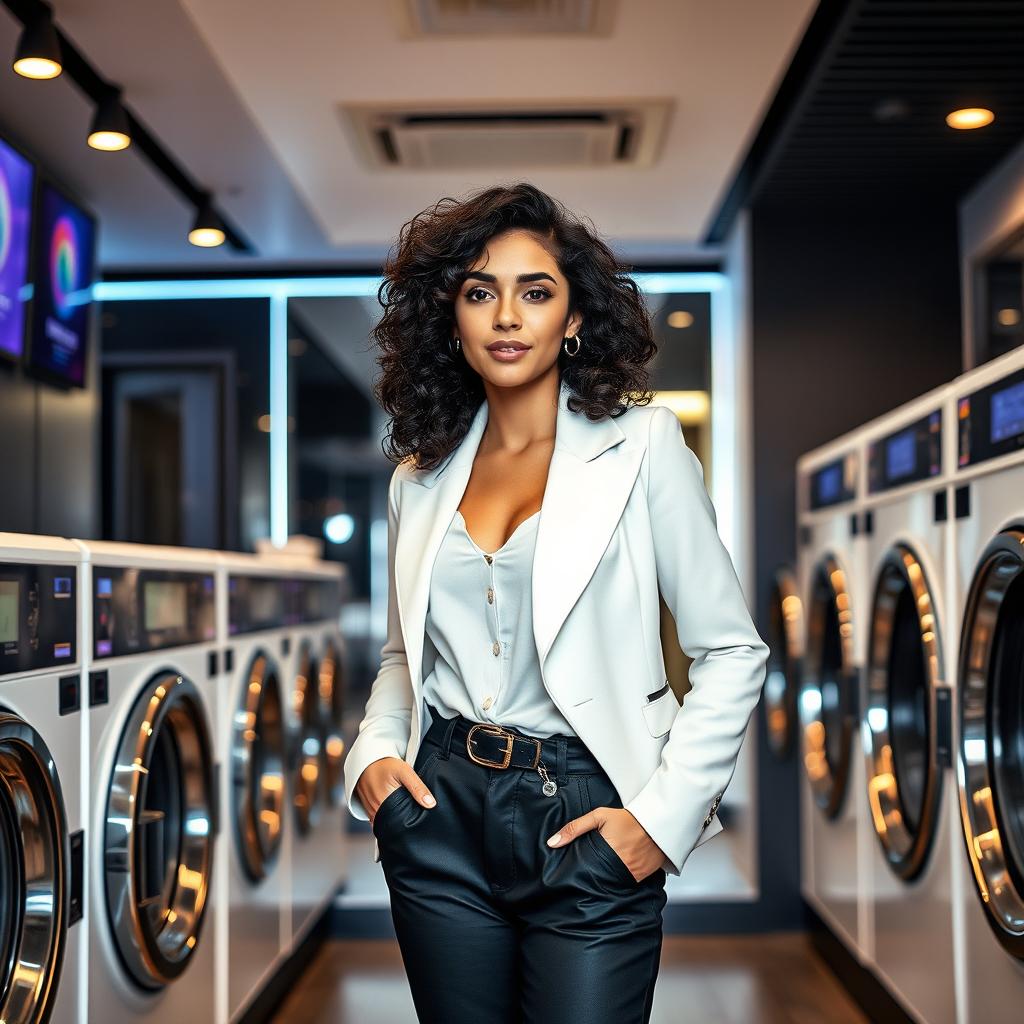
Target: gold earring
point(565, 345)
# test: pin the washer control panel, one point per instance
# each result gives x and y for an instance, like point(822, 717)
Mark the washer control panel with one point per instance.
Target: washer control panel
point(138, 610)
point(38, 616)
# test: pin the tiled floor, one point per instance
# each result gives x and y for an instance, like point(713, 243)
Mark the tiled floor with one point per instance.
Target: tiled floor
point(758, 979)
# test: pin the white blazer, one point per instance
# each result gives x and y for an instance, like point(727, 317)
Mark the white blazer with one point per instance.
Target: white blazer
point(625, 514)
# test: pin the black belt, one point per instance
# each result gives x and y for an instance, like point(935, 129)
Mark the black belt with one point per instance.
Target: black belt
point(494, 746)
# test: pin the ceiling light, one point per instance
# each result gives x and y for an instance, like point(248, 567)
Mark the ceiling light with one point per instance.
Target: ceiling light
point(893, 108)
point(692, 407)
point(38, 54)
point(970, 117)
point(339, 528)
point(208, 229)
point(680, 318)
point(109, 131)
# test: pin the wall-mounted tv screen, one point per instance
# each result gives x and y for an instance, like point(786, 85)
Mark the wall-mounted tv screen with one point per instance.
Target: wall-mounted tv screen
point(62, 265)
point(17, 176)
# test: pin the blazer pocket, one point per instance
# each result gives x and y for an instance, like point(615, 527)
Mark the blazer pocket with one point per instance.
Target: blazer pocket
point(660, 712)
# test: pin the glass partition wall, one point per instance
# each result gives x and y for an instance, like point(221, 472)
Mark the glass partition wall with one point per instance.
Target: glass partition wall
point(300, 453)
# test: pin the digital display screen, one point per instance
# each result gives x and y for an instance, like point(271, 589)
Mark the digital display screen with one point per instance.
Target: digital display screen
point(17, 176)
point(1007, 413)
point(10, 600)
point(265, 600)
point(165, 605)
point(62, 274)
point(900, 455)
point(830, 483)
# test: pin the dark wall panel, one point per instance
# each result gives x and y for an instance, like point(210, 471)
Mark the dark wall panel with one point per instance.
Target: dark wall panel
point(17, 454)
point(852, 316)
point(68, 467)
point(48, 455)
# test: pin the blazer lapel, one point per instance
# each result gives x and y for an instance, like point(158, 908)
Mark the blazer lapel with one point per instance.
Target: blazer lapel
point(582, 503)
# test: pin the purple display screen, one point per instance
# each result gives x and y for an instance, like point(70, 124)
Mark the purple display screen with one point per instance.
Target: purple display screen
point(900, 455)
point(16, 179)
point(830, 484)
point(63, 271)
point(1007, 412)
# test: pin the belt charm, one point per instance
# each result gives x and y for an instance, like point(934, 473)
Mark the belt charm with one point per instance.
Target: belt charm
point(549, 788)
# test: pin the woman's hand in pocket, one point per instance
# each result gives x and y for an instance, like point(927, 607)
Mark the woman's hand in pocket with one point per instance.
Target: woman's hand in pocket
point(382, 777)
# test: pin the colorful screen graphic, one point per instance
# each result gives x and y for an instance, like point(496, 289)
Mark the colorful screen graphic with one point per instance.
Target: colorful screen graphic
point(16, 178)
point(63, 265)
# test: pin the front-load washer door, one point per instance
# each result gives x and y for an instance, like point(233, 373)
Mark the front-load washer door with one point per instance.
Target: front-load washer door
point(307, 773)
point(785, 611)
point(828, 691)
point(258, 754)
point(160, 827)
point(907, 714)
point(990, 755)
point(332, 710)
point(34, 875)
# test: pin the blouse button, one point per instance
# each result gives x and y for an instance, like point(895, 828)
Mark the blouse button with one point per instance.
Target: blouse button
point(486, 703)
point(489, 559)
point(496, 648)
point(490, 595)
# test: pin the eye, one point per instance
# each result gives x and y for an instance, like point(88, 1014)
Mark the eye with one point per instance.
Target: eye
point(472, 291)
point(540, 291)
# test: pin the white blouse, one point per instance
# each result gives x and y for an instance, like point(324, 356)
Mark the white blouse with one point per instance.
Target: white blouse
point(480, 621)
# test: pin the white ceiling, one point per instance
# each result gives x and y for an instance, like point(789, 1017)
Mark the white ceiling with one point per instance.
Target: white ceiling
point(245, 95)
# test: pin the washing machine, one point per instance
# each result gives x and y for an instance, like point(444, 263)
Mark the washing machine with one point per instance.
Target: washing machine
point(785, 663)
point(833, 591)
point(150, 655)
point(254, 908)
point(43, 949)
point(906, 723)
point(316, 709)
point(988, 525)
point(322, 608)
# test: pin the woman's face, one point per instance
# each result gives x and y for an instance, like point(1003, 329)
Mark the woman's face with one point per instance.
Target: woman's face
point(513, 296)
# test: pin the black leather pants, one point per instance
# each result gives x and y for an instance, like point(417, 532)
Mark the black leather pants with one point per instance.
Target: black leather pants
point(495, 926)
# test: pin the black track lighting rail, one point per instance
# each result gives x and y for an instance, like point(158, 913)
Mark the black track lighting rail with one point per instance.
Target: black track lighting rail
point(96, 88)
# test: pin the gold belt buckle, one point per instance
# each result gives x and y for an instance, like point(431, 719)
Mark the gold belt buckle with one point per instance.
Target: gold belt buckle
point(495, 730)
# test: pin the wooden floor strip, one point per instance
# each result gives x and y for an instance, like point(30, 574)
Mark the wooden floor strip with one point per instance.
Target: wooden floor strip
point(750, 979)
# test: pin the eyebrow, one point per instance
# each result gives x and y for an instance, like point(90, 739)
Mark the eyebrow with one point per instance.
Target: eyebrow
point(479, 275)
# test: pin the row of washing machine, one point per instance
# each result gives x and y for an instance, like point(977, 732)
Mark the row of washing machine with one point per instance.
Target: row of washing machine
point(898, 675)
point(171, 801)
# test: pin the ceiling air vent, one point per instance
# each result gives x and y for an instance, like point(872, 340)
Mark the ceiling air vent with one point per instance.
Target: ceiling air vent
point(505, 17)
point(547, 137)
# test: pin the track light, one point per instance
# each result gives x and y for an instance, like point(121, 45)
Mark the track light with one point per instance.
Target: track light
point(38, 54)
point(208, 229)
point(109, 130)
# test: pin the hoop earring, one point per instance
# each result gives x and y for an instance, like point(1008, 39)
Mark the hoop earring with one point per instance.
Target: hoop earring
point(456, 348)
point(565, 345)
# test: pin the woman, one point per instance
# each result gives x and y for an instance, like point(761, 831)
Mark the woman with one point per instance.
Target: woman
point(528, 771)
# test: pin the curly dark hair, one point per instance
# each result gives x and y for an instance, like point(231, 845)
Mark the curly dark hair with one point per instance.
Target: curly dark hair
point(430, 392)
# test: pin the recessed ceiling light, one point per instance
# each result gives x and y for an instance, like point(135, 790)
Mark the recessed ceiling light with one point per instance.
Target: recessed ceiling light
point(891, 109)
point(680, 318)
point(691, 407)
point(970, 117)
